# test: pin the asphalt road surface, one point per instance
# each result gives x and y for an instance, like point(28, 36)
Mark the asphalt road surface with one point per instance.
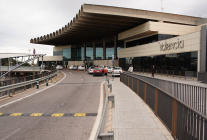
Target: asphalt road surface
point(78, 92)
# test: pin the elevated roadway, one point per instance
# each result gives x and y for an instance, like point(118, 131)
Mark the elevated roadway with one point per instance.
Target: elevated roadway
point(77, 93)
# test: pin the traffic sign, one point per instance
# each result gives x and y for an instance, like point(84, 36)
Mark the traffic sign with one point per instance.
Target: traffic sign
point(34, 51)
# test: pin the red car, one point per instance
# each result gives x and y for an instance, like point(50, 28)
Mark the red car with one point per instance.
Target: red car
point(98, 71)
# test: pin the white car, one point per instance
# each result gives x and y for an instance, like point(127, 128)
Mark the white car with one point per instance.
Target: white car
point(59, 67)
point(110, 69)
point(81, 68)
point(116, 71)
point(73, 67)
point(90, 70)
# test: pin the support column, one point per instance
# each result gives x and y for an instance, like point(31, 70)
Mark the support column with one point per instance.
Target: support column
point(203, 52)
point(104, 49)
point(0, 68)
point(115, 48)
point(42, 62)
point(84, 45)
point(94, 51)
point(75, 53)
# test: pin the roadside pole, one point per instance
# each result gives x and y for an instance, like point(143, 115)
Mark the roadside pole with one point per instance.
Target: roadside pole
point(113, 66)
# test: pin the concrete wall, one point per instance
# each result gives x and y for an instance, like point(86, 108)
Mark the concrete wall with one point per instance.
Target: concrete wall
point(150, 28)
point(96, 62)
point(60, 48)
point(51, 58)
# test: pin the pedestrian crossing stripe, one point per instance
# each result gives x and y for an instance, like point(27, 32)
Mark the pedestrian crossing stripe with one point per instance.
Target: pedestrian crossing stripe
point(80, 114)
point(36, 114)
point(57, 114)
point(16, 114)
point(49, 115)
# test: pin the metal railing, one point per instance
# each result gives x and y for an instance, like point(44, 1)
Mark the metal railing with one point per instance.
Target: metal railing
point(17, 85)
point(172, 73)
point(183, 121)
point(22, 68)
point(101, 132)
point(194, 96)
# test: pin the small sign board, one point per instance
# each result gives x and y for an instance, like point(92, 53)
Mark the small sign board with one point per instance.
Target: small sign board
point(34, 51)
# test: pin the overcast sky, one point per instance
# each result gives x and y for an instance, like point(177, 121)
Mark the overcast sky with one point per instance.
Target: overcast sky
point(21, 20)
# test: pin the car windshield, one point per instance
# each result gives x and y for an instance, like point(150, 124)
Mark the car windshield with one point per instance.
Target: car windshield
point(117, 68)
point(91, 67)
point(97, 68)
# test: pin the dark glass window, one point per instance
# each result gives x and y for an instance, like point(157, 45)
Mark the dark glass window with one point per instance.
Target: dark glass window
point(99, 50)
point(57, 53)
point(150, 39)
point(89, 51)
point(109, 47)
point(80, 52)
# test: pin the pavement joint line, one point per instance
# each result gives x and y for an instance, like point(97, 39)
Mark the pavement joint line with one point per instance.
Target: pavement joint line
point(49, 115)
point(33, 93)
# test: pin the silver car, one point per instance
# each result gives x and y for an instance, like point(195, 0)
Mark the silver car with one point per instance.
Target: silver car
point(90, 70)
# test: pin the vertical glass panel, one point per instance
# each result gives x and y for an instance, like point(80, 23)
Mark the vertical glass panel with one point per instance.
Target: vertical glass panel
point(180, 61)
point(99, 51)
point(194, 61)
point(163, 64)
point(89, 51)
point(122, 63)
point(157, 62)
point(80, 52)
point(109, 48)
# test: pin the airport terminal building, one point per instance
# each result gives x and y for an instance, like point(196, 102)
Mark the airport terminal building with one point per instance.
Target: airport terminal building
point(138, 37)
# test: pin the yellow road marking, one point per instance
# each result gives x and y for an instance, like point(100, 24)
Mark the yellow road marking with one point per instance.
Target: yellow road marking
point(1, 114)
point(16, 114)
point(79, 114)
point(36, 114)
point(57, 114)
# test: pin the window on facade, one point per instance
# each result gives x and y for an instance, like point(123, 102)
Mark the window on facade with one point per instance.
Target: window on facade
point(120, 44)
point(89, 51)
point(109, 47)
point(177, 62)
point(99, 49)
point(57, 53)
point(80, 52)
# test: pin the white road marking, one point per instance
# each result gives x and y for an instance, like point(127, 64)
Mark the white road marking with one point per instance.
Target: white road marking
point(11, 134)
point(98, 118)
point(32, 94)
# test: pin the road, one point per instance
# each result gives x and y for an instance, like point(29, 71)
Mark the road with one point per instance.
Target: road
point(78, 92)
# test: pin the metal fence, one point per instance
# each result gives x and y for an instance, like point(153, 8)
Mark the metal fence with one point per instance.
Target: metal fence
point(172, 73)
point(194, 96)
point(19, 80)
point(183, 121)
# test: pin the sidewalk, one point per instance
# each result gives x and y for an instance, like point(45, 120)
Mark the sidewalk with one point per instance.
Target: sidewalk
point(176, 79)
point(132, 119)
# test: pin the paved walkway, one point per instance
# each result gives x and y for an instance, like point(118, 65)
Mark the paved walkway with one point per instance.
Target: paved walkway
point(132, 118)
point(176, 79)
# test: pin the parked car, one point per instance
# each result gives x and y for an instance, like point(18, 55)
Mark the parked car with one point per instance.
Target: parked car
point(98, 71)
point(116, 71)
point(73, 67)
point(81, 68)
point(90, 69)
point(110, 69)
point(59, 67)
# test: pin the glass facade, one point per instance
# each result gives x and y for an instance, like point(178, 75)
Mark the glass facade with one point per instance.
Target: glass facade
point(178, 61)
point(89, 51)
point(99, 49)
point(109, 48)
point(150, 39)
point(68, 55)
point(57, 53)
point(80, 52)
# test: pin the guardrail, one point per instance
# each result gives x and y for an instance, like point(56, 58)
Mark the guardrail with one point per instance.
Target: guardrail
point(11, 88)
point(194, 96)
point(182, 121)
point(101, 133)
point(172, 73)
